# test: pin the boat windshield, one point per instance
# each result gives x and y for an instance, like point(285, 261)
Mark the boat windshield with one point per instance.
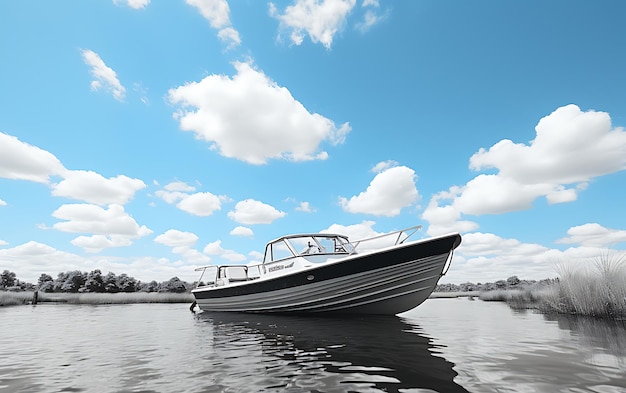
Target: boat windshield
point(307, 245)
point(303, 245)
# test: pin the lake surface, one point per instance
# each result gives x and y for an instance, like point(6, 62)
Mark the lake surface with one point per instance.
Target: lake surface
point(445, 345)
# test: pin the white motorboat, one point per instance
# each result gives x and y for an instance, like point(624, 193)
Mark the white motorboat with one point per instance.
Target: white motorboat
point(326, 273)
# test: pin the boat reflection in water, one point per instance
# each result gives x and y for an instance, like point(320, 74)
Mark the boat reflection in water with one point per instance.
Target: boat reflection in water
point(324, 354)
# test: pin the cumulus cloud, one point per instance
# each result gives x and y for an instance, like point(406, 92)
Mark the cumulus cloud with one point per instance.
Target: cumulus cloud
point(250, 118)
point(104, 76)
point(389, 192)
point(4, 243)
point(250, 212)
point(217, 12)
point(111, 227)
point(136, 4)
point(32, 259)
point(181, 243)
point(354, 232)
point(215, 248)
point(571, 148)
point(2, 203)
point(320, 20)
point(176, 238)
point(200, 204)
point(357, 233)
point(445, 218)
point(242, 231)
point(21, 161)
point(483, 257)
point(94, 188)
point(593, 235)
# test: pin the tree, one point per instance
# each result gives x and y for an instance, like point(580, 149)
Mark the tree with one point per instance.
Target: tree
point(126, 283)
point(512, 281)
point(94, 282)
point(73, 281)
point(45, 283)
point(173, 285)
point(7, 279)
point(110, 283)
point(152, 286)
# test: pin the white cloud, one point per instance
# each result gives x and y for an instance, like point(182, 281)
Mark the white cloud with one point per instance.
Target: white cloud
point(593, 235)
point(113, 225)
point(389, 192)
point(2, 203)
point(105, 77)
point(571, 148)
point(181, 243)
point(250, 211)
point(229, 36)
point(215, 248)
point(354, 232)
point(176, 238)
point(21, 161)
point(92, 187)
point(217, 12)
point(363, 231)
point(200, 204)
point(242, 231)
point(30, 260)
point(370, 19)
point(179, 186)
point(136, 4)
point(97, 243)
point(321, 20)
point(447, 218)
point(252, 119)
point(305, 207)
point(4, 243)
point(384, 165)
point(484, 257)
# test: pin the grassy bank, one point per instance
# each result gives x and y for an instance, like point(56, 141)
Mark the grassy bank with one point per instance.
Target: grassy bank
point(597, 288)
point(16, 298)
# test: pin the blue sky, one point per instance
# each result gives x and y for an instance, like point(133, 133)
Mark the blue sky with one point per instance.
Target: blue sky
point(150, 138)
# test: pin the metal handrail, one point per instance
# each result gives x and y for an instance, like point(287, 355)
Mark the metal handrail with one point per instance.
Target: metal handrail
point(408, 231)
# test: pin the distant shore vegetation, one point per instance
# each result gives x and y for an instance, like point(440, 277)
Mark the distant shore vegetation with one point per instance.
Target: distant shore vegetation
point(94, 281)
point(92, 288)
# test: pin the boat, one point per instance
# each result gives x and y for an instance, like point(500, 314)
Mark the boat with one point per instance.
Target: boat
point(326, 273)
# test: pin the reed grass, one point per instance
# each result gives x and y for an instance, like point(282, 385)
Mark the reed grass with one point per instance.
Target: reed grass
point(16, 298)
point(594, 288)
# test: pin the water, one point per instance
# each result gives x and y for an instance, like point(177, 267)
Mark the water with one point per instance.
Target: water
point(445, 345)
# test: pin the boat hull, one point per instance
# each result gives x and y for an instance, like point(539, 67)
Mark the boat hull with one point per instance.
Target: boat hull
point(385, 282)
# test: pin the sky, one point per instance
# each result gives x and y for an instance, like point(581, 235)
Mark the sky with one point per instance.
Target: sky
point(153, 137)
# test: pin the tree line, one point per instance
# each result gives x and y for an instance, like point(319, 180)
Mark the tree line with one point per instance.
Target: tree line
point(512, 282)
point(94, 281)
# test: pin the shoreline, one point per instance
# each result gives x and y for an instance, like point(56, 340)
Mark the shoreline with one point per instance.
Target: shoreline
point(27, 297)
